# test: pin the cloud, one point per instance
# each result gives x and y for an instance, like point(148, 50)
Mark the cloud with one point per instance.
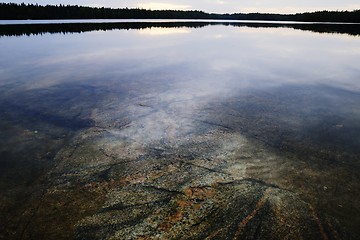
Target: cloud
point(163, 6)
point(217, 6)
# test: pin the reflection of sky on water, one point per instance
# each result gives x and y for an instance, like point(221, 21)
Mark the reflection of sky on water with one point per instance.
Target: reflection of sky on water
point(175, 64)
point(214, 58)
point(165, 65)
point(293, 91)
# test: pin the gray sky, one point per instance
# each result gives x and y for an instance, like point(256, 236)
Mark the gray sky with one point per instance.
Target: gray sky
point(216, 6)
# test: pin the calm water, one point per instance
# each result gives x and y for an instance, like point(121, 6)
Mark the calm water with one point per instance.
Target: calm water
point(291, 89)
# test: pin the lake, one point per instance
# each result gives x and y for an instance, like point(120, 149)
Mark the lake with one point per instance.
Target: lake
point(179, 130)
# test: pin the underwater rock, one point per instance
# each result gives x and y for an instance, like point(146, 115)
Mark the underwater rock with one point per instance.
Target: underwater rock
point(245, 209)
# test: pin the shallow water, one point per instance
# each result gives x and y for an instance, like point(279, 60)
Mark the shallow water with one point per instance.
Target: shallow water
point(88, 107)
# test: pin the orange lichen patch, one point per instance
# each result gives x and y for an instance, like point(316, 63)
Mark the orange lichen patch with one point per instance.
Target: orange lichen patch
point(188, 206)
point(197, 206)
point(258, 206)
point(183, 203)
point(177, 216)
point(170, 221)
point(185, 206)
point(199, 192)
point(188, 192)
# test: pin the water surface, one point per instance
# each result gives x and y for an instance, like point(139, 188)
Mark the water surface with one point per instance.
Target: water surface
point(86, 108)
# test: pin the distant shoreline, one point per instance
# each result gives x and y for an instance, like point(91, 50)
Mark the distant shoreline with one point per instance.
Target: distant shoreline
point(156, 21)
point(36, 27)
point(12, 11)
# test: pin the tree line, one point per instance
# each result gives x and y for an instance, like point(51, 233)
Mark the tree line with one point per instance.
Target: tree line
point(64, 28)
point(13, 11)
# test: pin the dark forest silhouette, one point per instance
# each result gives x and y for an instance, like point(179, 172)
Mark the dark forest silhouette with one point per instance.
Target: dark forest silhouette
point(12, 11)
point(38, 29)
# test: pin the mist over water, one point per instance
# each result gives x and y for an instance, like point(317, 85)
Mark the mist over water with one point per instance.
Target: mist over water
point(286, 98)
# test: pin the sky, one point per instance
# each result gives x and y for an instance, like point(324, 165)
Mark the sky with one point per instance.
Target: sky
point(215, 6)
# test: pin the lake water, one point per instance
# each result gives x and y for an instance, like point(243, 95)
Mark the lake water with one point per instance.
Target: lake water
point(151, 122)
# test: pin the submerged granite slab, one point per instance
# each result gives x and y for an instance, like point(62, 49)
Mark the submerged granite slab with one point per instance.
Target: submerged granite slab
point(217, 185)
point(245, 209)
point(188, 170)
